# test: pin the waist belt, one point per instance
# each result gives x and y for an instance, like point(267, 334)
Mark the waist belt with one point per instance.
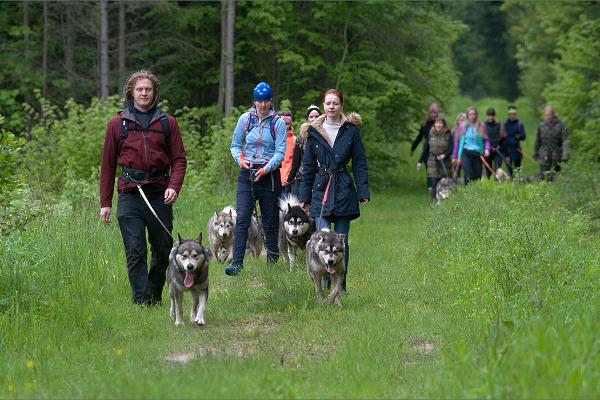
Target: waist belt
point(137, 175)
point(331, 171)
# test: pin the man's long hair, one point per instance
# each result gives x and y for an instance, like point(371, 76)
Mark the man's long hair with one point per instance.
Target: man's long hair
point(131, 81)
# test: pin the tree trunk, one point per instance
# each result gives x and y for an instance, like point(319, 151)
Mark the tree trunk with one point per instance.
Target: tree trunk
point(229, 57)
point(26, 38)
point(121, 41)
point(221, 94)
point(45, 49)
point(67, 32)
point(104, 50)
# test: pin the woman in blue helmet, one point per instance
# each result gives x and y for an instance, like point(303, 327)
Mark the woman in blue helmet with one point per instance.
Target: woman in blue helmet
point(258, 146)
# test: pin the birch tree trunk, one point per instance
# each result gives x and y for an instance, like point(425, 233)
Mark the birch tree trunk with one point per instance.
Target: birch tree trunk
point(121, 42)
point(221, 94)
point(229, 57)
point(45, 49)
point(104, 49)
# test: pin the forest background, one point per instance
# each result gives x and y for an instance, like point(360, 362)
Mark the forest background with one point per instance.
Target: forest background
point(63, 65)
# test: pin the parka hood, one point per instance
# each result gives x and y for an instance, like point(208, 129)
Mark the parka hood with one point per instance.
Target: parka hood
point(352, 118)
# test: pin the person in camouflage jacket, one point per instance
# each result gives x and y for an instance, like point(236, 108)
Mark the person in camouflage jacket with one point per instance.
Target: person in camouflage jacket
point(551, 147)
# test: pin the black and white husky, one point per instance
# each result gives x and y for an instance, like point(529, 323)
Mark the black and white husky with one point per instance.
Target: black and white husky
point(188, 272)
point(325, 258)
point(295, 228)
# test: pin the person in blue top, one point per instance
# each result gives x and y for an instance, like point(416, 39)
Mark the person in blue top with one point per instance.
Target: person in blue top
point(258, 146)
point(327, 189)
point(515, 133)
point(471, 144)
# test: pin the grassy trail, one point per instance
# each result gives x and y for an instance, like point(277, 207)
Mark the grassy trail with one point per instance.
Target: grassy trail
point(70, 331)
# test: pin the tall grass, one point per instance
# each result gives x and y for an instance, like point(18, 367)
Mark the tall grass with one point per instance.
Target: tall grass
point(521, 278)
point(493, 294)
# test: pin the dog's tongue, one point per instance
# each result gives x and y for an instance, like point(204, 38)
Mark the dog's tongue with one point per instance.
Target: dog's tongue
point(188, 282)
point(331, 270)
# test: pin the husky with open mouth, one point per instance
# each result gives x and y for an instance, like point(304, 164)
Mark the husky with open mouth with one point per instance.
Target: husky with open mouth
point(295, 228)
point(188, 272)
point(325, 258)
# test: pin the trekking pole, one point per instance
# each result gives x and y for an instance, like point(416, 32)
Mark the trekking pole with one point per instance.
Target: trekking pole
point(527, 156)
point(488, 166)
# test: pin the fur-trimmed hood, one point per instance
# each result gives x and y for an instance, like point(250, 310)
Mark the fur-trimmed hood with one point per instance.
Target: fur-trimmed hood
point(352, 118)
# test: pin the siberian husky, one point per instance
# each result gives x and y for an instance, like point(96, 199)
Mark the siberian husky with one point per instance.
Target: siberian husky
point(325, 258)
point(295, 228)
point(221, 230)
point(188, 272)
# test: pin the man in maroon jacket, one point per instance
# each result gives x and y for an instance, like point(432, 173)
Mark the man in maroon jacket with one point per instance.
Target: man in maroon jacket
point(147, 144)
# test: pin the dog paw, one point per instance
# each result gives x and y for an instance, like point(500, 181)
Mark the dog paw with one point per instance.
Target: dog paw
point(178, 323)
point(199, 321)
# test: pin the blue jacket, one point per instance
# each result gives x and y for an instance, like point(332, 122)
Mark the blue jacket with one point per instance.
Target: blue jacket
point(322, 161)
point(515, 132)
point(257, 146)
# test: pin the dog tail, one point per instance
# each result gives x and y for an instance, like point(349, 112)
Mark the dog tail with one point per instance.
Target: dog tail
point(288, 199)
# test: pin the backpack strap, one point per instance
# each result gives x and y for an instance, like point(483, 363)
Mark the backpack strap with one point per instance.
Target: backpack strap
point(251, 119)
point(164, 124)
point(273, 126)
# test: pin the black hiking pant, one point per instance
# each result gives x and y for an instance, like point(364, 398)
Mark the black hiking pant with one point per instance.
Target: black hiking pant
point(134, 219)
point(471, 165)
point(267, 191)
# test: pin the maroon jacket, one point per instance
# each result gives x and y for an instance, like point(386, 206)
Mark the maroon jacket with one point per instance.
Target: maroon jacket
point(143, 150)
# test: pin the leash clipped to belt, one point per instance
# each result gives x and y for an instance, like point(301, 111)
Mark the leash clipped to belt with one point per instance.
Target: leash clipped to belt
point(139, 187)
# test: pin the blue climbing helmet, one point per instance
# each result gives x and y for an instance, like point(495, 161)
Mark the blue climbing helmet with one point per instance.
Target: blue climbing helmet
point(263, 91)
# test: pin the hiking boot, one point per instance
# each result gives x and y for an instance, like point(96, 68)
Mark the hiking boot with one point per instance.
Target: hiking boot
point(233, 269)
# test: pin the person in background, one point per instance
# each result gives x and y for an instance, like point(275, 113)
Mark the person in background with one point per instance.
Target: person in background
point(496, 135)
point(470, 144)
point(295, 174)
point(441, 143)
point(515, 133)
point(334, 141)
point(258, 146)
point(423, 134)
point(290, 144)
point(551, 143)
point(460, 119)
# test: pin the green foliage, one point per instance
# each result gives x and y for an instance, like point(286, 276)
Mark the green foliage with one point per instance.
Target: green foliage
point(483, 54)
point(65, 144)
point(10, 146)
point(519, 271)
point(535, 29)
point(575, 90)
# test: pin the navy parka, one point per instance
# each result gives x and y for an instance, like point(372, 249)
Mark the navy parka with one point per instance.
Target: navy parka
point(322, 161)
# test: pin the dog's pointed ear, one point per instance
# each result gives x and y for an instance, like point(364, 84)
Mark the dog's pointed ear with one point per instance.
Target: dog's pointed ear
point(179, 237)
point(342, 236)
point(289, 207)
point(216, 215)
point(199, 240)
point(231, 213)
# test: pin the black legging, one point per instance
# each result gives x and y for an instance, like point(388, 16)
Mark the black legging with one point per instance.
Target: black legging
point(471, 165)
